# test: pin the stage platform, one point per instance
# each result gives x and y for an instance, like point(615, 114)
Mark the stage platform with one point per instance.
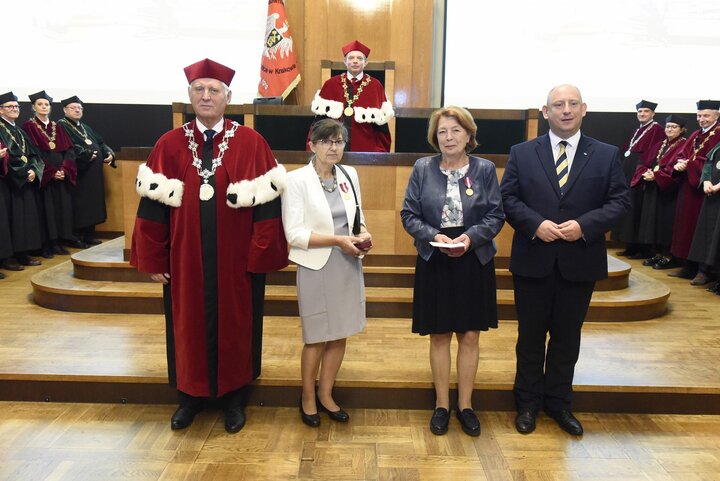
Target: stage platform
point(665, 364)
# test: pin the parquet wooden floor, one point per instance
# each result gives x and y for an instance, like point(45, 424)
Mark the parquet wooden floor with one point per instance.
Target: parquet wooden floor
point(677, 352)
point(92, 442)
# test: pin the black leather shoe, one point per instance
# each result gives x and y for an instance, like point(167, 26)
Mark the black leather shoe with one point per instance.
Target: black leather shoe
point(525, 421)
point(234, 419)
point(60, 250)
point(626, 253)
point(183, 417)
point(567, 421)
point(637, 255)
point(26, 260)
point(12, 264)
point(91, 241)
point(312, 420)
point(439, 421)
point(47, 253)
point(468, 421)
point(76, 243)
point(682, 274)
point(2, 276)
point(665, 263)
point(339, 415)
point(653, 260)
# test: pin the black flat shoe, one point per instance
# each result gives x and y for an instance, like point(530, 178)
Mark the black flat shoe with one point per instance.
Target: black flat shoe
point(339, 415)
point(91, 241)
point(234, 419)
point(566, 421)
point(26, 260)
point(12, 264)
point(183, 417)
point(525, 421)
point(312, 420)
point(468, 421)
point(653, 260)
point(76, 243)
point(60, 250)
point(439, 421)
point(666, 263)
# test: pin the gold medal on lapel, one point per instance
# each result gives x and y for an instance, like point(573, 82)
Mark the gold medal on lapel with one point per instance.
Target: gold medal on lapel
point(469, 192)
point(88, 141)
point(51, 144)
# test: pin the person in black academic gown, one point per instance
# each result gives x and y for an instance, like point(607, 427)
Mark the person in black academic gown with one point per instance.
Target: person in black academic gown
point(25, 171)
point(56, 151)
point(5, 237)
point(91, 154)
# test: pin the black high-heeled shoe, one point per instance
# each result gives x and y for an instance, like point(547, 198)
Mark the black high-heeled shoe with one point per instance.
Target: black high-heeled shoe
point(312, 420)
point(339, 415)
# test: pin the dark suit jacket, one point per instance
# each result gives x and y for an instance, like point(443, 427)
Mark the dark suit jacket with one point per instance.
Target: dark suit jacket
point(596, 197)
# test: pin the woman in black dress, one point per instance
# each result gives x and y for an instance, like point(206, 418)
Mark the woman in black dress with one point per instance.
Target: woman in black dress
point(453, 201)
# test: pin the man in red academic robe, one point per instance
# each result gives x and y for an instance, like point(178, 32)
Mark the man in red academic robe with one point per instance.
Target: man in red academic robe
point(688, 167)
point(635, 153)
point(209, 228)
point(358, 100)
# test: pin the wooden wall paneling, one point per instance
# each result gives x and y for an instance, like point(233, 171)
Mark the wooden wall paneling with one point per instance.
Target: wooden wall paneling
point(295, 11)
point(401, 49)
point(113, 200)
point(128, 170)
point(421, 61)
point(315, 44)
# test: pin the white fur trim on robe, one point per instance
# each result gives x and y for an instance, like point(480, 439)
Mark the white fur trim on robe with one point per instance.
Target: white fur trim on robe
point(158, 187)
point(371, 115)
point(329, 108)
point(263, 189)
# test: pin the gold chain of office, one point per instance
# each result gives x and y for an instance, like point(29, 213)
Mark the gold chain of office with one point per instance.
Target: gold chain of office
point(41, 128)
point(23, 157)
point(82, 134)
point(696, 148)
point(350, 102)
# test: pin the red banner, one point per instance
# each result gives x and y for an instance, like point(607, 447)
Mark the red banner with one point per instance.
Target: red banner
point(279, 71)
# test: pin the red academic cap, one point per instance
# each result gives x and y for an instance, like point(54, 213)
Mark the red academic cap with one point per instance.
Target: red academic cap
point(355, 45)
point(209, 69)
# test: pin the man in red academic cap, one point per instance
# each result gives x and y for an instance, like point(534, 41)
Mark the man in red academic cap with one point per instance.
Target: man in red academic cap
point(358, 100)
point(209, 227)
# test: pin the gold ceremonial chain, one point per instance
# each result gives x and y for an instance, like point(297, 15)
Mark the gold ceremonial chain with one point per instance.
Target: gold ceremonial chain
point(22, 137)
point(698, 149)
point(665, 147)
point(51, 139)
point(83, 133)
point(349, 109)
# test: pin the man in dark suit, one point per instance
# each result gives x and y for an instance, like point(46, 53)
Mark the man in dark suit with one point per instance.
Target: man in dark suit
point(561, 193)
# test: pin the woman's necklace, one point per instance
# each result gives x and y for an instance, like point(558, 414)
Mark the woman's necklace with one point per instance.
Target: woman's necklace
point(322, 184)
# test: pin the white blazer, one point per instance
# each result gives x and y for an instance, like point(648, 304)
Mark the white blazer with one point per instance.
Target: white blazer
point(305, 209)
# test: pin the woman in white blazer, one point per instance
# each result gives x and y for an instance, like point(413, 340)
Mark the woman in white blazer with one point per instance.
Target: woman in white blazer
point(319, 206)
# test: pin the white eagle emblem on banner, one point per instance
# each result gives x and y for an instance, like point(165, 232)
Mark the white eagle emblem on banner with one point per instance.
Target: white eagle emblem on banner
point(276, 43)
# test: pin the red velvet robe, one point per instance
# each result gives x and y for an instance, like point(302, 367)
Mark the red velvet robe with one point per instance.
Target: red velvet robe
point(250, 240)
point(664, 174)
point(62, 157)
point(691, 196)
point(368, 128)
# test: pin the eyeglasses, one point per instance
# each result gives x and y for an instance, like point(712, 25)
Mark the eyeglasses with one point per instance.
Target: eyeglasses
point(327, 143)
point(672, 127)
point(11, 107)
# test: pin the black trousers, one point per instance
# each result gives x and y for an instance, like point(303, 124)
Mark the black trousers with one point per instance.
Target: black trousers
point(548, 305)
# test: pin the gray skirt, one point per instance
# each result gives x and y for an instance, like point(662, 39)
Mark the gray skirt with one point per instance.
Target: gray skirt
point(331, 299)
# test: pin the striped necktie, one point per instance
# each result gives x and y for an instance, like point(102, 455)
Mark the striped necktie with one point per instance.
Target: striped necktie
point(561, 167)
